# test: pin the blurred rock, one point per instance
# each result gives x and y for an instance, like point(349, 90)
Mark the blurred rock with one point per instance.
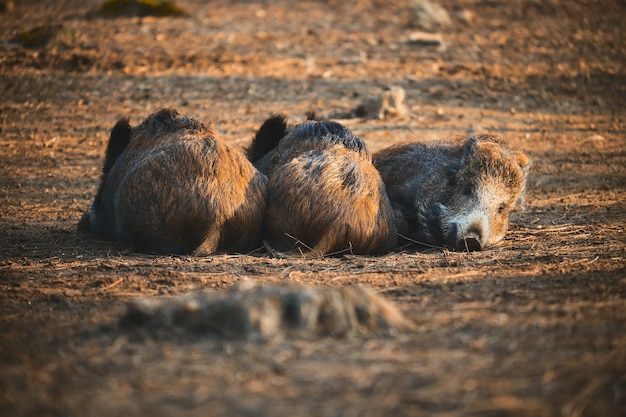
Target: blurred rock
point(7, 6)
point(428, 16)
point(37, 37)
point(139, 8)
point(465, 16)
point(427, 39)
point(388, 104)
point(260, 312)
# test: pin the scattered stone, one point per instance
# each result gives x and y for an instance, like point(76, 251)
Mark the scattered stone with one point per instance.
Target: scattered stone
point(261, 312)
point(593, 140)
point(427, 39)
point(465, 16)
point(7, 6)
point(428, 16)
point(37, 37)
point(388, 104)
point(139, 8)
point(596, 138)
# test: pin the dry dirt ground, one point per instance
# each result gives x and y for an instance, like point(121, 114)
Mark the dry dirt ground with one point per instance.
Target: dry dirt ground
point(533, 327)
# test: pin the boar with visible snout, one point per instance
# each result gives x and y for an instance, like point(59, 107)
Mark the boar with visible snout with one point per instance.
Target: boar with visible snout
point(456, 193)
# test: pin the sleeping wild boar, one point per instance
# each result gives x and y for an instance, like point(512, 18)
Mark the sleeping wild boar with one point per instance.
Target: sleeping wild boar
point(171, 186)
point(324, 194)
point(455, 193)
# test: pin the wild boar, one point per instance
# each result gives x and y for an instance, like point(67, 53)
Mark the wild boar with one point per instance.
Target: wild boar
point(171, 186)
point(324, 194)
point(457, 193)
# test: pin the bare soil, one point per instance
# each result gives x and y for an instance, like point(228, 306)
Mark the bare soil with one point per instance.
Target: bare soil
point(533, 327)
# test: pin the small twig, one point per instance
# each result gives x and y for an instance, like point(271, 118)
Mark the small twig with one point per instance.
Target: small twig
point(113, 284)
point(464, 240)
point(585, 261)
point(418, 242)
point(349, 249)
point(301, 243)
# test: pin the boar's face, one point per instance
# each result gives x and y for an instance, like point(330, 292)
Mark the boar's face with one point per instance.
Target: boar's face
point(481, 193)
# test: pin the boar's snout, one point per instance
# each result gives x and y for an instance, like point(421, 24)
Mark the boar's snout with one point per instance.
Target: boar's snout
point(469, 243)
point(470, 240)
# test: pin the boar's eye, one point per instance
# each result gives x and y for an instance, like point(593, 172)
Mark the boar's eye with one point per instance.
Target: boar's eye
point(451, 175)
point(467, 190)
point(502, 209)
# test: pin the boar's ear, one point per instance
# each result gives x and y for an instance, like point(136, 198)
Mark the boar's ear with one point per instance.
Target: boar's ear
point(267, 137)
point(523, 160)
point(120, 136)
point(469, 149)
